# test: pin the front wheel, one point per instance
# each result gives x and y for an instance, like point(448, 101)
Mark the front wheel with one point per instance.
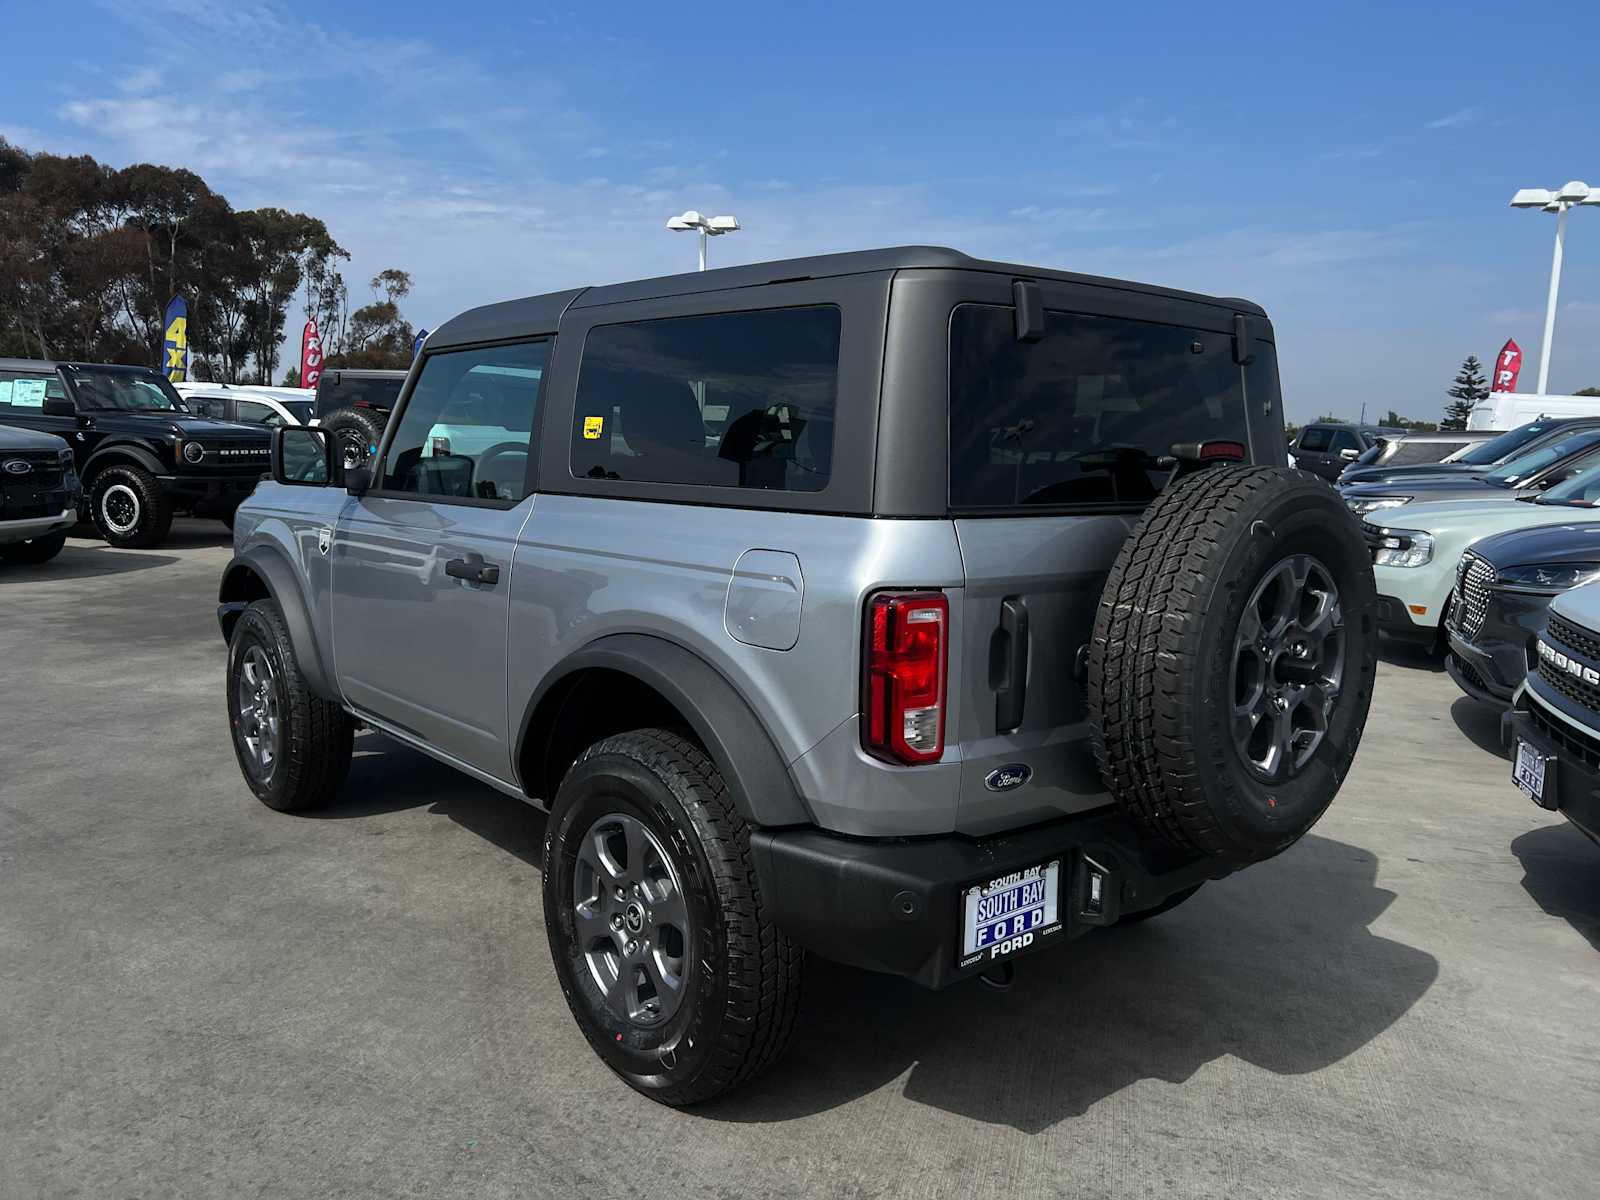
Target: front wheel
point(34, 551)
point(293, 746)
point(656, 921)
point(129, 507)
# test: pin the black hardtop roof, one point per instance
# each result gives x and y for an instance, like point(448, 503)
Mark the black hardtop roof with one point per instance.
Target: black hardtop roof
point(541, 314)
point(50, 364)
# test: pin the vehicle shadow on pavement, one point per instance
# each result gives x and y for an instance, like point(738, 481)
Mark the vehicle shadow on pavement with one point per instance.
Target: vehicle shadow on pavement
point(1480, 725)
point(1400, 653)
point(1561, 872)
point(1275, 966)
point(79, 560)
point(387, 776)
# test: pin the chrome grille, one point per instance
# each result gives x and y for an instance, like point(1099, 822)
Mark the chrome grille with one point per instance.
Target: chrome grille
point(1471, 600)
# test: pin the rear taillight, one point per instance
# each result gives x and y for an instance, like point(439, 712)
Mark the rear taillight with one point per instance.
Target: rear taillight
point(904, 701)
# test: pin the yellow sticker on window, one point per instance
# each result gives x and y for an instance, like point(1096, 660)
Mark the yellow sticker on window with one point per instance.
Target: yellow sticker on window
point(592, 428)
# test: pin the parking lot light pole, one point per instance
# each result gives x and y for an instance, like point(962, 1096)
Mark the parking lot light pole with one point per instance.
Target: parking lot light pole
point(1559, 202)
point(705, 226)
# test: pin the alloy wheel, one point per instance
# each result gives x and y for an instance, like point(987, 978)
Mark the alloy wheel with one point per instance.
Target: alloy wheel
point(630, 919)
point(260, 724)
point(1288, 667)
point(119, 507)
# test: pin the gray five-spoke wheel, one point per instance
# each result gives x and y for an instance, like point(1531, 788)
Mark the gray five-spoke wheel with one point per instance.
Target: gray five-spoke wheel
point(260, 726)
point(1288, 667)
point(630, 919)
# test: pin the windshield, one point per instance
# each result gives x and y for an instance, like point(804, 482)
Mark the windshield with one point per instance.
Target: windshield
point(1497, 448)
point(1581, 489)
point(124, 391)
point(1518, 470)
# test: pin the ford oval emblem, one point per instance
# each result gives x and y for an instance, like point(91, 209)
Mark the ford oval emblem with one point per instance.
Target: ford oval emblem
point(18, 466)
point(1012, 775)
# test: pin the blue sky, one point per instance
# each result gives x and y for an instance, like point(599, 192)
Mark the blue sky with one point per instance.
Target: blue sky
point(1348, 166)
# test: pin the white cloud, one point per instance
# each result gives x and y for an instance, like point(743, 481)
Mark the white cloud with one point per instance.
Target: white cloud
point(1470, 115)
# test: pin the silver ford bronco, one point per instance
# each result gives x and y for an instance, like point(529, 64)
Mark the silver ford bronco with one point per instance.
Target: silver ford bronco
point(912, 610)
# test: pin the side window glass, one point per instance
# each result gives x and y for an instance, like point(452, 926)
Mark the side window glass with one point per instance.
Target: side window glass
point(737, 400)
point(1314, 440)
point(255, 411)
point(19, 393)
point(467, 431)
point(1343, 439)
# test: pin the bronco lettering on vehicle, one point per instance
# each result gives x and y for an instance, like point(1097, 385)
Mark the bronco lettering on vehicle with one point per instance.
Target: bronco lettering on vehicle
point(1560, 662)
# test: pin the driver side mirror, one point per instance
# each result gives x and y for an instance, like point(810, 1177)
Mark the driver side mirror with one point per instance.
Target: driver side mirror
point(301, 456)
point(59, 406)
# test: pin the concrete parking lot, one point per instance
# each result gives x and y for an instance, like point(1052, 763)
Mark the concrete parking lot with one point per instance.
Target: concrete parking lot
point(200, 997)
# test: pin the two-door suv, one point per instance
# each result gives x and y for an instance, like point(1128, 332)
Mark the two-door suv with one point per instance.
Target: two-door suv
point(141, 453)
point(909, 609)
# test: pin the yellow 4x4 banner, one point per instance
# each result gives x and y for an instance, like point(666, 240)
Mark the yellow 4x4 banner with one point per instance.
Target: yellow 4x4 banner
point(175, 347)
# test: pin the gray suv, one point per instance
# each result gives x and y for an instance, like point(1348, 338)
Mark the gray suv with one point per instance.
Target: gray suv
point(908, 609)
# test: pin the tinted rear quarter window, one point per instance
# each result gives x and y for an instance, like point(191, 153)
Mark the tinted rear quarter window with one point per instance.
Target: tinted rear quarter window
point(737, 400)
point(1080, 416)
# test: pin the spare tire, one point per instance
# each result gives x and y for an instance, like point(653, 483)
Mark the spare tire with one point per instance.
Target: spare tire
point(1233, 658)
point(356, 433)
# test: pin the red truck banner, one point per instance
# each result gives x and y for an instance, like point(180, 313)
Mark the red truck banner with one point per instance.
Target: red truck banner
point(310, 355)
point(1507, 367)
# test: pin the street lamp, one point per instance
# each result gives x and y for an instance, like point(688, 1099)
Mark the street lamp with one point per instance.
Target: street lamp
point(1558, 202)
point(706, 226)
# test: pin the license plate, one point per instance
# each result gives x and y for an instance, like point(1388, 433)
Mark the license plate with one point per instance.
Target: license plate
point(1011, 913)
point(1528, 774)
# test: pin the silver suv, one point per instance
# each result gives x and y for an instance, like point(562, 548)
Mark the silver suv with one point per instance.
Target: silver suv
point(909, 609)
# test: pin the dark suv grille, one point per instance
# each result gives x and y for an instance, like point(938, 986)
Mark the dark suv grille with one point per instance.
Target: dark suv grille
point(1575, 742)
point(1569, 635)
point(1584, 695)
point(44, 468)
point(1472, 595)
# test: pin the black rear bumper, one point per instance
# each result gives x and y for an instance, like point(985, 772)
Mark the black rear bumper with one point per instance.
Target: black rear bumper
point(896, 907)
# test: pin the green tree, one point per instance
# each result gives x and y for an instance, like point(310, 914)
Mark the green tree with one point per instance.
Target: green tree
point(378, 336)
point(1588, 391)
point(1469, 387)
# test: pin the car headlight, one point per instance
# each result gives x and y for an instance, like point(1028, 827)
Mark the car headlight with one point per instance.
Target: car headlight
point(193, 452)
point(1362, 505)
point(1549, 577)
point(1402, 548)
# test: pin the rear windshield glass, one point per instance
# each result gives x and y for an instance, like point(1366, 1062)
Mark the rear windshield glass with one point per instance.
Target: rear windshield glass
point(1080, 416)
point(741, 399)
point(1498, 448)
point(373, 391)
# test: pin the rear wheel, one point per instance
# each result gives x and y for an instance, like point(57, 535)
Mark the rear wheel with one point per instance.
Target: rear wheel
point(129, 507)
point(656, 922)
point(1233, 659)
point(33, 551)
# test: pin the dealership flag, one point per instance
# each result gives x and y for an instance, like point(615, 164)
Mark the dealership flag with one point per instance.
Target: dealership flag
point(175, 347)
point(1507, 367)
point(310, 355)
point(416, 346)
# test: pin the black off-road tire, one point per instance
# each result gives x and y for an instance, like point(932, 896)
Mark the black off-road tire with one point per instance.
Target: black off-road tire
point(355, 433)
point(34, 551)
point(129, 507)
point(742, 986)
point(314, 751)
point(1161, 664)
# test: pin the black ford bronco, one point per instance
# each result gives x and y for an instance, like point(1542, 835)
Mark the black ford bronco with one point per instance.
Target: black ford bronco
point(141, 453)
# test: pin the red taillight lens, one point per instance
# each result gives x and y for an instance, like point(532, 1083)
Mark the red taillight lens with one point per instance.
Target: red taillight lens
point(907, 635)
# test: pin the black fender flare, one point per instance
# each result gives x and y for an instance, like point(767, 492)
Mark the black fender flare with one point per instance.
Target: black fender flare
point(724, 723)
point(282, 583)
point(106, 453)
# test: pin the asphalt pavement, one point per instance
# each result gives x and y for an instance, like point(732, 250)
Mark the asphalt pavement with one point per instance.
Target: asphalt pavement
point(200, 997)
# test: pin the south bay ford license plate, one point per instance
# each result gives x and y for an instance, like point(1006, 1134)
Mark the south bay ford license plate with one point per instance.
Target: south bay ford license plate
point(1010, 913)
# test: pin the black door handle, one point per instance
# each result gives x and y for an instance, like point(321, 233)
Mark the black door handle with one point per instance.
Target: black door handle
point(1012, 693)
point(473, 569)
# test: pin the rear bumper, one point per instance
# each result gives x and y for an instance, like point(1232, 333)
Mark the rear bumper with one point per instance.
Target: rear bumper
point(1572, 781)
point(897, 906)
